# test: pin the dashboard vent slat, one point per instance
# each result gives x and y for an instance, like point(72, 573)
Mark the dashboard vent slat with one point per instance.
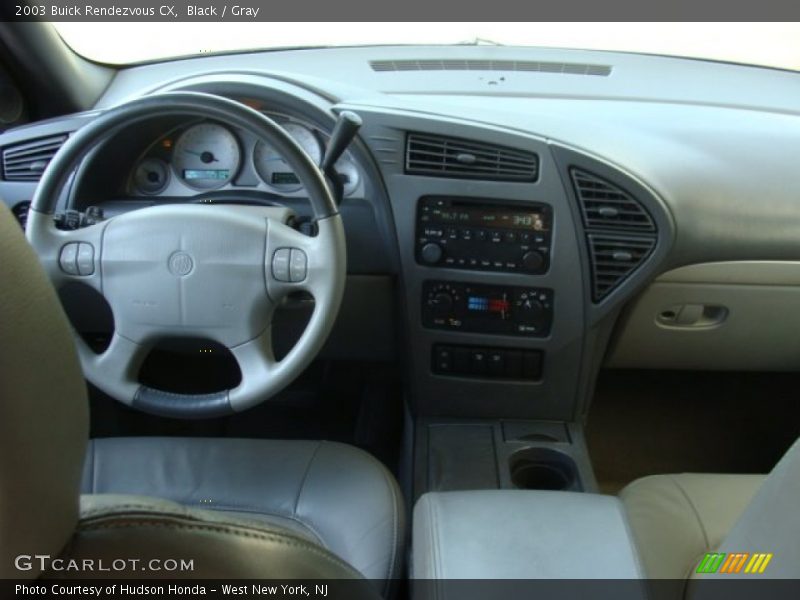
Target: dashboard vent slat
point(440, 156)
point(27, 161)
point(606, 206)
point(614, 258)
point(528, 66)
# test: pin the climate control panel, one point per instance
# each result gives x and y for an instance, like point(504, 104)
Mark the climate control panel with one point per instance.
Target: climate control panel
point(483, 234)
point(500, 310)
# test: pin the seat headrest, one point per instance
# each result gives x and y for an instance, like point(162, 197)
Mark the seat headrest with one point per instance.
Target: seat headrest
point(43, 408)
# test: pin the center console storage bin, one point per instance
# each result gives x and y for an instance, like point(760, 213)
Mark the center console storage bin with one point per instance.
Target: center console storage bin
point(519, 534)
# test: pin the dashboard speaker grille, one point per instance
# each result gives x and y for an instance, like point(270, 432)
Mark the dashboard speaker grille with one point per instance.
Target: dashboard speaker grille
point(606, 206)
point(27, 162)
point(614, 258)
point(528, 66)
point(440, 156)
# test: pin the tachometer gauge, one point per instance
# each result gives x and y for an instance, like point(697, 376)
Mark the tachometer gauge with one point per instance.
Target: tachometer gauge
point(274, 170)
point(348, 173)
point(151, 176)
point(206, 156)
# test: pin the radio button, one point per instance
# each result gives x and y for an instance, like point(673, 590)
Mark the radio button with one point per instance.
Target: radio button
point(511, 237)
point(496, 237)
point(433, 232)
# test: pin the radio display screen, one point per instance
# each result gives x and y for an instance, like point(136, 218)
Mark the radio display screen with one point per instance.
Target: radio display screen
point(523, 218)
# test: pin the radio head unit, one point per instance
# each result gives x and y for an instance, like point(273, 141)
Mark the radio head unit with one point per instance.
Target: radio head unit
point(483, 234)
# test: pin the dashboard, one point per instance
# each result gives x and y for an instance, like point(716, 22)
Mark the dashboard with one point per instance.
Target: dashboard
point(510, 229)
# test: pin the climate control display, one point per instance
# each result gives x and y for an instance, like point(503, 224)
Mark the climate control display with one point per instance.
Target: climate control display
point(502, 310)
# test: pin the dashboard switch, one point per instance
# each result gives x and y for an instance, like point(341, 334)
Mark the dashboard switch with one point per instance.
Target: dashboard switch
point(68, 260)
point(298, 263)
point(443, 357)
point(85, 259)
point(487, 363)
point(280, 264)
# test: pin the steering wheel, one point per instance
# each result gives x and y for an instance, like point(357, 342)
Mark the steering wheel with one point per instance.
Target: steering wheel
point(194, 270)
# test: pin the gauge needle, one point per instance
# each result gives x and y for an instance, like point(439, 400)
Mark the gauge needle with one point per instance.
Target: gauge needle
point(206, 157)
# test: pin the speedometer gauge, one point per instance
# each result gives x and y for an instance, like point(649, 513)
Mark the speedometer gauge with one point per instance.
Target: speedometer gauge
point(348, 173)
point(206, 156)
point(274, 170)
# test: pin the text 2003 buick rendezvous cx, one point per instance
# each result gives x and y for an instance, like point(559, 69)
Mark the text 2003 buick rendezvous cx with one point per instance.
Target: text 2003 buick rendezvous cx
point(398, 312)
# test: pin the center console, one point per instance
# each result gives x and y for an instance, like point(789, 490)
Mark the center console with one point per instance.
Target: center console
point(512, 251)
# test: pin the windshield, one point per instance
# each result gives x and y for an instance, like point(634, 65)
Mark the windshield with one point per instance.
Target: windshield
point(764, 44)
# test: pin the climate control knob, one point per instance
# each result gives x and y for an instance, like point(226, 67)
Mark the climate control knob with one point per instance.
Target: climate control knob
point(442, 303)
point(532, 260)
point(431, 253)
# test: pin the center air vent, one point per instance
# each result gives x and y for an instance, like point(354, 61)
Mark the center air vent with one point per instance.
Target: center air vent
point(440, 156)
point(27, 161)
point(606, 206)
point(613, 258)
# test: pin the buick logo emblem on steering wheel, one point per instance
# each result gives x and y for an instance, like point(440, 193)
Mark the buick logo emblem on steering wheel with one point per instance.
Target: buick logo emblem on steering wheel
point(180, 264)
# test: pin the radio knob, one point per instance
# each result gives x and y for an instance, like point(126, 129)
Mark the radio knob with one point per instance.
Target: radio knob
point(532, 260)
point(431, 253)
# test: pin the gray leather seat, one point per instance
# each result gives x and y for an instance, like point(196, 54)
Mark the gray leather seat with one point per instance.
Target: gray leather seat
point(330, 494)
point(284, 510)
point(676, 519)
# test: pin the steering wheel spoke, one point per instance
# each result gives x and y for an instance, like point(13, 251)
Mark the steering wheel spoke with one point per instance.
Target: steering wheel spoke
point(115, 370)
point(297, 262)
point(67, 256)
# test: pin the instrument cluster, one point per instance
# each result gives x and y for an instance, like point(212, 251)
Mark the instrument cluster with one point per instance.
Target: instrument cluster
point(205, 156)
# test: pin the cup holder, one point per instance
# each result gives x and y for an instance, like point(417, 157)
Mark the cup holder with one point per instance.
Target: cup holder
point(543, 469)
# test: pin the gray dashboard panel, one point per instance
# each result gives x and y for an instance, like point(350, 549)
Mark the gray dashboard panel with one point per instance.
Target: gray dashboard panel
point(435, 395)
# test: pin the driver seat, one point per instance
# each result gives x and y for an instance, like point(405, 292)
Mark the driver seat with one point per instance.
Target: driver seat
point(235, 508)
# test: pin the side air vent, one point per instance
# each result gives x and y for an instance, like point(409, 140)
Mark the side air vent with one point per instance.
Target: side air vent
point(606, 206)
point(527, 66)
point(27, 162)
point(439, 156)
point(614, 258)
point(20, 211)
